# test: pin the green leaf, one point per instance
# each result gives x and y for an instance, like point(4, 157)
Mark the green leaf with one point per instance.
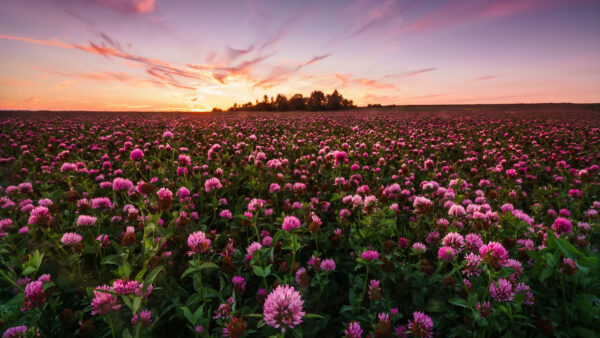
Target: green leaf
point(188, 271)
point(435, 305)
point(112, 259)
point(150, 278)
point(585, 333)
point(188, 314)
point(459, 302)
point(37, 259)
point(313, 315)
point(124, 269)
point(259, 271)
point(546, 273)
point(137, 302)
point(140, 274)
point(28, 270)
point(208, 265)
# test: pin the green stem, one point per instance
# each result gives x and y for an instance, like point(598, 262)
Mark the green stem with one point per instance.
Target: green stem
point(362, 295)
point(11, 281)
point(112, 328)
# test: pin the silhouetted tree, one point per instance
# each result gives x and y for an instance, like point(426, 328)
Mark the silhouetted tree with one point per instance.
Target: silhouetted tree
point(316, 101)
point(281, 102)
point(297, 102)
point(335, 101)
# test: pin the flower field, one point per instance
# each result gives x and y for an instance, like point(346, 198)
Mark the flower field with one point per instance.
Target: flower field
point(354, 223)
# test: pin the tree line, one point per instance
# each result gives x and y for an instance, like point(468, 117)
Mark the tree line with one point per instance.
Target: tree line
point(316, 101)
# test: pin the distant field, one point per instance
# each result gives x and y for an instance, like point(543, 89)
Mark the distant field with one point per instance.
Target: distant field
point(467, 221)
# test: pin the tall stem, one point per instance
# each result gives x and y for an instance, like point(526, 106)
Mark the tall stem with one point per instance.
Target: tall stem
point(112, 328)
point(362, 296)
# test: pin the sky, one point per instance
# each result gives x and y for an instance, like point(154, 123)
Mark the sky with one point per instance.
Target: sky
point(193, 55)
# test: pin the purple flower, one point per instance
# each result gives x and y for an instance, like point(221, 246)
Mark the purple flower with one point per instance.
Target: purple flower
point(447, 253)
point(34, 295)
point(70, 238)
point(198, 243)
point(283, 308)
point(121, 184)
point(239, 284)
point(328, 264)
point(136, 154)
point(421, 325)
point(502, 290)
point(85, 220)
point(370, 255)
point(353, 330)
point(419, 247)
point(225, 214)
point(104, 302)
point(144, 318)
point(290, 222)
point(15, 332)
point(493, 254)
point(562, 225)
point(212, 184)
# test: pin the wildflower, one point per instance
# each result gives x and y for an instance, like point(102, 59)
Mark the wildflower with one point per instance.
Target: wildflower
point(422, 204)
point(239, 284)
point(493, 254)
point(182, 193)
point(16, 332)
point(104, 302)
point(290, 223)
point(562, 225)
point(144, 318)
point(471, 268)
point(568, 266)
point(128, 237)
point(484, 309)
point(123, 287)
point(165, 198)
point(104, 240)
point(283, 308)
point(353, 330)
point(68, 167)
point(70, 238)
point(121, 184)
point(226, 214)
point(456, 210)
point(374, 290)
point(234, 328)
point(34, 295)
point(501, 290)
point(85, 220)
point(473, 242)
point(370, 255)
point(101, 202)
point(454, 240)
point(274, 187)
point(421, 325)
point(252, 248)
point(328, 264)
point(446, 253)
point(419, 247)
point(40, 216)
point(198, 243)
point(212, 184)
point(136, 154)
point(302, 278)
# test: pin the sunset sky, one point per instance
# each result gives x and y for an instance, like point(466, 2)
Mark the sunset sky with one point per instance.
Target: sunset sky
point(195, 55)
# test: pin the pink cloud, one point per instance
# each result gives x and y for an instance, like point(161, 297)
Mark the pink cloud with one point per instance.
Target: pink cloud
point(128, 6)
